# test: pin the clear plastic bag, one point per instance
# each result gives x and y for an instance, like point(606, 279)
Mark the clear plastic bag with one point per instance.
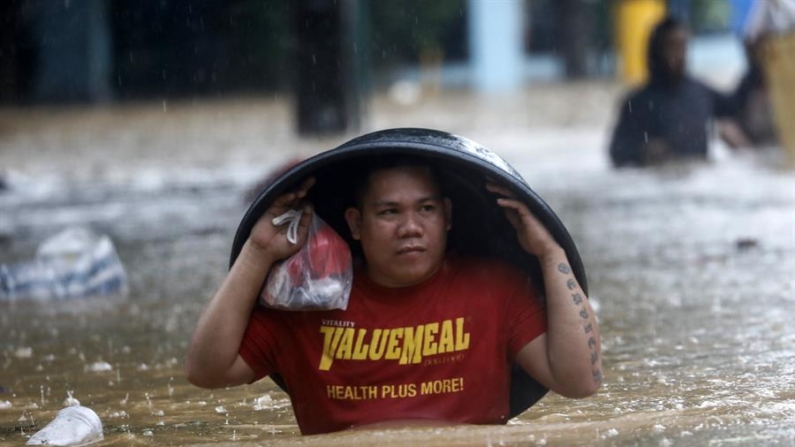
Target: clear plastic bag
point(318, 277)
point(75, 263)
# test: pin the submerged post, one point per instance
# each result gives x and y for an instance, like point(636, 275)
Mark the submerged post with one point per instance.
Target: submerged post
point(496, 45)
point(330, 72)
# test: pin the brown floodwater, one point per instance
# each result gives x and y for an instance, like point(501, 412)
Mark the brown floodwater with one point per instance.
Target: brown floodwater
point(691, 269)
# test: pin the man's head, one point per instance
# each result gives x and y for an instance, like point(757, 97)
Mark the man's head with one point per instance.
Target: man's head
point(667, 53)
point(401, 220)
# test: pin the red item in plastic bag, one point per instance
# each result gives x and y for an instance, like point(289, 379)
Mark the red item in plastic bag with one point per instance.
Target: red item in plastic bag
point(327, 254)
point(318, 277)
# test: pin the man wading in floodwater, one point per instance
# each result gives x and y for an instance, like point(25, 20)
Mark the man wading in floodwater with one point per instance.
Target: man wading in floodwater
point(427, 335)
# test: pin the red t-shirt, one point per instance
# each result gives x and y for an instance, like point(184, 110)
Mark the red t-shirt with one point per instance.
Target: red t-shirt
point(438, 350)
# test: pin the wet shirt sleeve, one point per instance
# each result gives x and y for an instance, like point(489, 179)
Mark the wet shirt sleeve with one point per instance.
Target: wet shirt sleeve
point(258, 347)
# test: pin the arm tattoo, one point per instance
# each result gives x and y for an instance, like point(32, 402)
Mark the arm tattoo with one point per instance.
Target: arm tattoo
point(571, 284)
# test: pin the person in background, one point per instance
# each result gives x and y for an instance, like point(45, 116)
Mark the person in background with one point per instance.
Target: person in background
point(753, 125)
point(428, 337)
point(669, 117)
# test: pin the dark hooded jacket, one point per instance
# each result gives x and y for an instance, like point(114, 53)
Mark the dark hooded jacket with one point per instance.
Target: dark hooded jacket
point(676, 111)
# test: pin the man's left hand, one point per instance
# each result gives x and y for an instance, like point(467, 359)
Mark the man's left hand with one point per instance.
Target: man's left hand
point(533, 235)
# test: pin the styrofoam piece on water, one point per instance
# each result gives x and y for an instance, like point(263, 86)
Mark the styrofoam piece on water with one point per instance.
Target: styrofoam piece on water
point(73, 426)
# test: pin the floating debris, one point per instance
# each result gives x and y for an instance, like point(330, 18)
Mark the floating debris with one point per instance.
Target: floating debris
point(746, 243)
point(23, 353)
point(70, 401)
point(263, 402)
point(99, 367)
point(610, 433)
point(72, 426)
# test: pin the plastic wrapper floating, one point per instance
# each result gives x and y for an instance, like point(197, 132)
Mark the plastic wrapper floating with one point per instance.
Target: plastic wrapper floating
point(73, 426)
point(75, 263)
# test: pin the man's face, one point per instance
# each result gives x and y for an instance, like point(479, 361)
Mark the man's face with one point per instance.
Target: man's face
point(402, 224)
point(675, 52)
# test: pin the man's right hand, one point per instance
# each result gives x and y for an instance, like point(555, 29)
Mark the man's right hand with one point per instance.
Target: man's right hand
point(213, 360)
point(270, 240)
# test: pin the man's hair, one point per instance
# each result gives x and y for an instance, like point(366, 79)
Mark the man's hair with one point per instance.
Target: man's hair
point(373, 165)
point(654, 55)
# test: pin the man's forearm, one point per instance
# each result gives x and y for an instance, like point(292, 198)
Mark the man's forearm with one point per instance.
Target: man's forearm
point(219, 331)
point(573, 344)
